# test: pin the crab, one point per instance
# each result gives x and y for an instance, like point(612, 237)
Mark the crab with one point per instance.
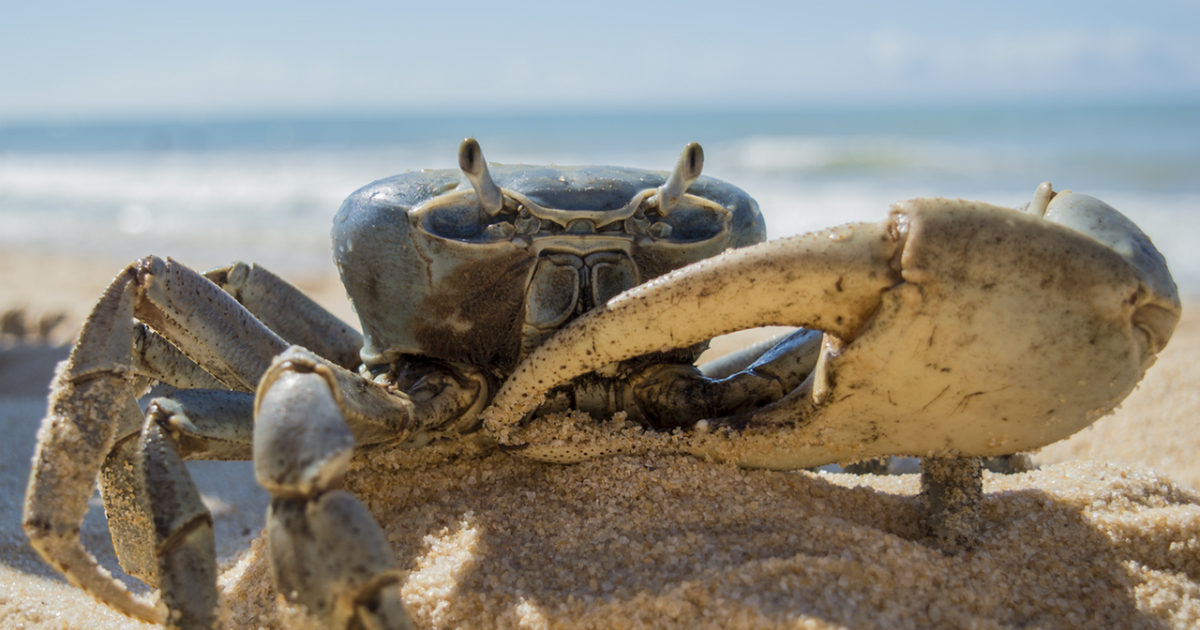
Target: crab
point(498, 302)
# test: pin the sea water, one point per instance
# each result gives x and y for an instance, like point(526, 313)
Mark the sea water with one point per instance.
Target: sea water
point(265, 190)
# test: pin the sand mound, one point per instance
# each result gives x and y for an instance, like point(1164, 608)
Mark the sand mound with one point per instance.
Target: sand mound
point(668, 541)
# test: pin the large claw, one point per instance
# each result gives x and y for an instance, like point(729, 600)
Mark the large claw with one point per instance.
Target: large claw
point(953, 327)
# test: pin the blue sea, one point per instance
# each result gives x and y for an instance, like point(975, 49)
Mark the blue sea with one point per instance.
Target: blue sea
point(265, 190)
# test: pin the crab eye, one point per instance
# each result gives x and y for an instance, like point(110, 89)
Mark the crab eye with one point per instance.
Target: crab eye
point(466, 223)
point(689, 223)
point(458, 222)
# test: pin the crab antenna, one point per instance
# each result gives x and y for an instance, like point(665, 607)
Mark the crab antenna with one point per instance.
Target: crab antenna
point(687, 170)
point(470, 160)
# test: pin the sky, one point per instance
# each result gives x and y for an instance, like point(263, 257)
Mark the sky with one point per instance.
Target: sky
point(83, 60)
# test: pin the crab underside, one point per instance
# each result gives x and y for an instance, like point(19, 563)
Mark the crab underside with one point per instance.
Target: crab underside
point(493, 300)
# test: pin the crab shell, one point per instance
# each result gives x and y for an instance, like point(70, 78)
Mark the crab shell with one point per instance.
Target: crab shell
point(430, 273)
point(952, 327)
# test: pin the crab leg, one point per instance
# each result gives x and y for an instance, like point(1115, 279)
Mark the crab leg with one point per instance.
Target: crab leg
point(162, 532)
point(952, 494)
point(155, 359)
point(328, 554)
point(92, 402)
point(289, 312)
point(673, 395)
point(202, 337)
point(740, 359)
point(193, 424)
point(160, 528)
point(209, 422)
point(183, 531)
point(327, 551)
point(205, 323)
point(205, 421)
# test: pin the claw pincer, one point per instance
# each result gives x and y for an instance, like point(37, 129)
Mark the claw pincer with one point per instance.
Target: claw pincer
point(953, 327)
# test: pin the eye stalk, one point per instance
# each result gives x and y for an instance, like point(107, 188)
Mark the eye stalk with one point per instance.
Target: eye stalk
point(687, 170)
point(470, 160)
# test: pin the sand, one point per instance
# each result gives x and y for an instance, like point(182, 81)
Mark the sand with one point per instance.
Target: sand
point(1104, 534)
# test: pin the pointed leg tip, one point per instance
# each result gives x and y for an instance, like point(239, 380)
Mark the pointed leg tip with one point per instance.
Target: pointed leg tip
point(952, 495)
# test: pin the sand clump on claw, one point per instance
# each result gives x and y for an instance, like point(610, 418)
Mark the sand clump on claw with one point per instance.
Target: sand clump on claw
point(650, 540)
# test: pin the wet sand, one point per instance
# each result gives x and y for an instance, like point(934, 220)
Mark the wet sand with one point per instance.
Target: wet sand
point(1105, 534)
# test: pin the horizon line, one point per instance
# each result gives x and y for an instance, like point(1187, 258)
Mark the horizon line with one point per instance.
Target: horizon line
point(826, 106)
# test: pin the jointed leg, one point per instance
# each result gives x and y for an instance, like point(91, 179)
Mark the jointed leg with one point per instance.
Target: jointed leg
point(161, 529)
point(155, 359)
point(92, 402)
point(729, 364)
point(327, 551)
point(191, 333)
point(679, 395)
point(952, 492)
point(290, 313)
point(194, 424)
point(183, 532)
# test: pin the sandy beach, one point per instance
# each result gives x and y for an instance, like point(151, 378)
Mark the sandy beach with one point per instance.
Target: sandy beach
point(1106, 533)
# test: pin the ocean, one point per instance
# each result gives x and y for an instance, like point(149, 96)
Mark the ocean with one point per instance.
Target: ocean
point(265, 190)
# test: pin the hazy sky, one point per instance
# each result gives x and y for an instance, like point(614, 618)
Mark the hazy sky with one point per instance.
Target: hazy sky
point(122, 60)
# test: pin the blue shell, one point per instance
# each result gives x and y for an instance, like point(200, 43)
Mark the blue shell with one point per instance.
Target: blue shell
point(449, 290)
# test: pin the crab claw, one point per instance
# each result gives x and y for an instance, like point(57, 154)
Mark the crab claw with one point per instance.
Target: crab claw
point(953, 327)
